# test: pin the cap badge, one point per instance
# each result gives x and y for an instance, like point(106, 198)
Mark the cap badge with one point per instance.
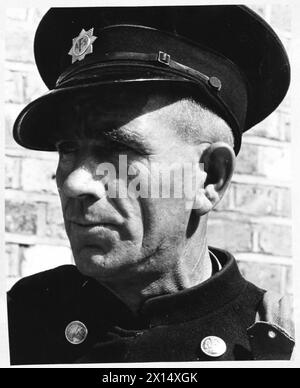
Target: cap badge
point(76, 332)
point(82, 45)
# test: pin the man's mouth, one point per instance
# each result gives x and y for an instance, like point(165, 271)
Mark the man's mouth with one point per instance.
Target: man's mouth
point(93, 224)
point(87, 222)
point(99, 230)
point(98, 235)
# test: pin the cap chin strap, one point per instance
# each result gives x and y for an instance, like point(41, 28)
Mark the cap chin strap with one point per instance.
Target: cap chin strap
point(161, 58)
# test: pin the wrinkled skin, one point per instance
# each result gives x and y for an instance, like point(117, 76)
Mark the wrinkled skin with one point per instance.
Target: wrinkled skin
point(134, 245)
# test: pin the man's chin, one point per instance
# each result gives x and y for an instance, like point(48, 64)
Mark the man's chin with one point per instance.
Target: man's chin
point(99, 266)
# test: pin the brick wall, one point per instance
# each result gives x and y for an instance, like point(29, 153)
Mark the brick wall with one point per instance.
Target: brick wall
point(253, 221)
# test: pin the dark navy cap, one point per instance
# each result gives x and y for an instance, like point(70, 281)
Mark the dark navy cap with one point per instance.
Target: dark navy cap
point(227, 56)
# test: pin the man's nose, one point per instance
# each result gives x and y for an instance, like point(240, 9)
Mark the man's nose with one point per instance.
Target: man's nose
point(80, 183)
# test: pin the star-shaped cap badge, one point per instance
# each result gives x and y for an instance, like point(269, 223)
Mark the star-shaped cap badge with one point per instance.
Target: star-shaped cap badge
point(82, 45)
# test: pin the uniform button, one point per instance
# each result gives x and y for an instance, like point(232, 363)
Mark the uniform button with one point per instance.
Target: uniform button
point(215, 83)
point(272, 334)
point(213, 346)
point(76, 332)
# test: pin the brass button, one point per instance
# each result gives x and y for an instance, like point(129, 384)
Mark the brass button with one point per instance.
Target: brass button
point(272, 334)
point(76, 332)
point(213, 346)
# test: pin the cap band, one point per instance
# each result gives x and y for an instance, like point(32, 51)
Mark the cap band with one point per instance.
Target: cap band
point(161, 58)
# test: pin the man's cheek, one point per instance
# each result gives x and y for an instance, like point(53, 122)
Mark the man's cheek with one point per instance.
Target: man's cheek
point(59, 181)
point(64, 202)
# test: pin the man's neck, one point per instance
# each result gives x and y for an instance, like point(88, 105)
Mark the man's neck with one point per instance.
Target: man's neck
point(194, 267)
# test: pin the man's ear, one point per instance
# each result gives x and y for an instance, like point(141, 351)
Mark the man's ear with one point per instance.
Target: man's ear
point(218, 163)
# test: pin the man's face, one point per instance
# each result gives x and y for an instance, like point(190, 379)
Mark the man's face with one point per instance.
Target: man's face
point(114, 238)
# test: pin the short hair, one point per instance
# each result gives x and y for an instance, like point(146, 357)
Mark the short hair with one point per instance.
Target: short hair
point(194, 123)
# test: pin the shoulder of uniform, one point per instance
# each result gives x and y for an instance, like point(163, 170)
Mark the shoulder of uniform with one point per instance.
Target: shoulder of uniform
point(50, 281)
point(277, 309)
point(272, 335)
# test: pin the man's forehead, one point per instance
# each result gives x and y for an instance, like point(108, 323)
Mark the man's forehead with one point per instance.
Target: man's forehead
point(116, 113)
point(124, 98)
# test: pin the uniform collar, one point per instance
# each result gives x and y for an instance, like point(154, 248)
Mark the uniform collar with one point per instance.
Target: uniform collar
point(193, 303)
point(203, 299)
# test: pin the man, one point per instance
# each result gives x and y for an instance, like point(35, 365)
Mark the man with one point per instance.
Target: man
point(141, 98)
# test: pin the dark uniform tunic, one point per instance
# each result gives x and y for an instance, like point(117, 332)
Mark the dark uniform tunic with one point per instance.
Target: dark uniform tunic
point(167, 328)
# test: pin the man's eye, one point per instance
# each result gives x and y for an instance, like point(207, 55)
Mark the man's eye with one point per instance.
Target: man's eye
point(66, 147)
point(120, 147)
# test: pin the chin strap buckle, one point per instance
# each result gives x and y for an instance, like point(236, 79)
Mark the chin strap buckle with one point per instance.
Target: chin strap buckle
point(163, 58)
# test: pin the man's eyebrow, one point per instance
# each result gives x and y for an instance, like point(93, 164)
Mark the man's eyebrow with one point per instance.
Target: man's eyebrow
point(127, 137)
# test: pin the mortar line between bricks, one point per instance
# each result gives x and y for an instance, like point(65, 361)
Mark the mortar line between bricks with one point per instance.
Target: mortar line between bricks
point(283, 283)
point(227, 215)
point(34, 240)
point(23, 153)
point(259, 180)
point(19, 61)
point(263, 258)
point(41, 219)
point(265, 142)
point(20, 195)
